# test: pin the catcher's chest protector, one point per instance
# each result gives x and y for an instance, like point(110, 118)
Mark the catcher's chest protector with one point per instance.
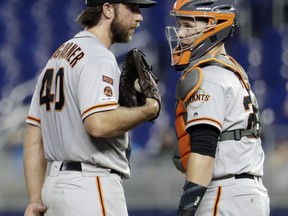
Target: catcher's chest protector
point(187, 85)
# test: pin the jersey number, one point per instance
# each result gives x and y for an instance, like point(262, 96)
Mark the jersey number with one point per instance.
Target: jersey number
point(46, 95)
point(253, 117)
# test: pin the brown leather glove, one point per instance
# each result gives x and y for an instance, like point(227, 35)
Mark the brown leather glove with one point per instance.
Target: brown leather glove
point(136, 67)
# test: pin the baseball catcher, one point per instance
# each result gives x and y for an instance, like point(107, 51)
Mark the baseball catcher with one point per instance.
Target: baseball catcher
point(217, 115)
point(137, 81)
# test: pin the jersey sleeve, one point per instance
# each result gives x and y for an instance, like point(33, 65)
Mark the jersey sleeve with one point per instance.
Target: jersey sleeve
point(34, 110)
point(207, 106)
point(98, 86)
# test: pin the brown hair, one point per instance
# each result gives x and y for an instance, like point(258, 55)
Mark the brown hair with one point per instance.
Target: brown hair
point(90, 16)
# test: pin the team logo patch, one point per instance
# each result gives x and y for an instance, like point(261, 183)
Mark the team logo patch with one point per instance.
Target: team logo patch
point(108, 91)
point(107, 79)
point(198, 98)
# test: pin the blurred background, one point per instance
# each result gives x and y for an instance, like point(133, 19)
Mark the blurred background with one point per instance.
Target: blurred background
point(32, 29)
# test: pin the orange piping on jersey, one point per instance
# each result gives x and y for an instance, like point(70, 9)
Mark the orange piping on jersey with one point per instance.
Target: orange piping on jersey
point(38, 121)
point(205, 119)
point(98, 106)
point(217, 201)
point(101, 198)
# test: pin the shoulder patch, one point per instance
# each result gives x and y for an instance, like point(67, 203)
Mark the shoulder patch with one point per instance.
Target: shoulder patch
point(107, 79)
point(189, 83)
point(108, 91)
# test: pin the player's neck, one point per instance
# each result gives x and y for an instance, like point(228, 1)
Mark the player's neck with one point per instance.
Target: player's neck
point(102, 34)
point(218, 49)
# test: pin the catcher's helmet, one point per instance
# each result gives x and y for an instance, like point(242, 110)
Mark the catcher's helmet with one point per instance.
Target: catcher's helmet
point(142, 3)
point(220, 16)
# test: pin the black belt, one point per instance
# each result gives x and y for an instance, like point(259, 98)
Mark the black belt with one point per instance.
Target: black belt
point(244, 175)
point(240, 176)
point(76, 166)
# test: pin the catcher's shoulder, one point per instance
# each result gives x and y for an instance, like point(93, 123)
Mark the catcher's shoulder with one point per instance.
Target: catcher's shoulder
point(189, 82)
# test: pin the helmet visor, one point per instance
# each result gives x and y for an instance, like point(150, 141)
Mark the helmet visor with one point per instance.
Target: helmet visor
point(184, 37)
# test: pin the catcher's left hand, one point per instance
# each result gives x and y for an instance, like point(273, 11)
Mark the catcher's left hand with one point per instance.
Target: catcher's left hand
point(136, 67)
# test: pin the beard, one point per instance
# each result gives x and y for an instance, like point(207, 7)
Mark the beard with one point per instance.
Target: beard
point(120, 33)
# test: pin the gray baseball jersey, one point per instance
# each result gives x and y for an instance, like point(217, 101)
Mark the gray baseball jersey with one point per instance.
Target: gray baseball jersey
point(77, 82)
point(223, 103)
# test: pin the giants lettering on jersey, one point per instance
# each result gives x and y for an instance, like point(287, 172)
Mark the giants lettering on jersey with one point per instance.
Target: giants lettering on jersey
point(69, 51)
point(198, 98)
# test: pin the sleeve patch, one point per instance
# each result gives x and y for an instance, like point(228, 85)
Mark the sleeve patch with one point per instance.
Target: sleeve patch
point(108, 91)
point(107, 79)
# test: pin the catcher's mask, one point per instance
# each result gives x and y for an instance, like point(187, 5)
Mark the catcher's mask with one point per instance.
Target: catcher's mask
point(201, 25)
point(142, 3)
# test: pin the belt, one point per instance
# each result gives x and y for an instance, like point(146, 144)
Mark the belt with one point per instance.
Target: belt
point(76, 166)
point(244, 175)
point(239, 176)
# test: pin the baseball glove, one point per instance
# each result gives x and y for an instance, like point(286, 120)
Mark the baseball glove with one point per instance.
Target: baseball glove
point(135, 67)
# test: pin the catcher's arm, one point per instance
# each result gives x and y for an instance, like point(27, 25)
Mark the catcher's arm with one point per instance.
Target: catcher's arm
point(198, 176)
point(136, 67)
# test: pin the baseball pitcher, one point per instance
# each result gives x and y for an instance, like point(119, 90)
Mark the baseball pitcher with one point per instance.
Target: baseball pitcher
point(77, 124)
